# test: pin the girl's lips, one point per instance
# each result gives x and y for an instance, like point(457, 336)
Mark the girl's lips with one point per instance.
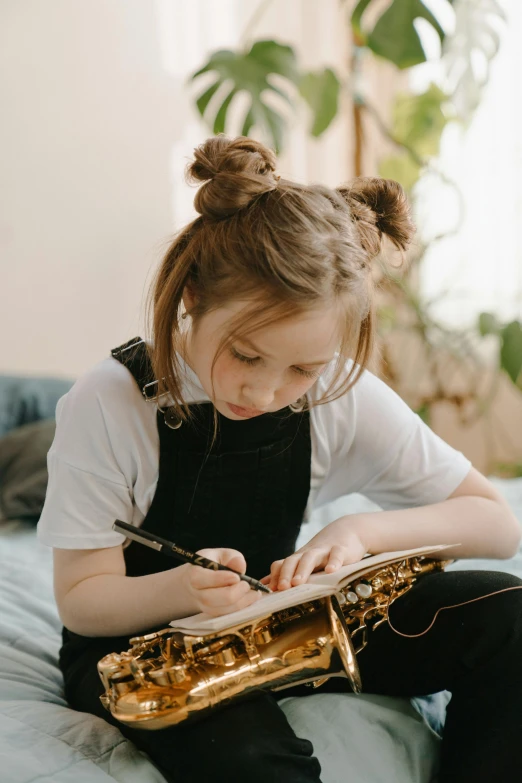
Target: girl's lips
point(245, 412)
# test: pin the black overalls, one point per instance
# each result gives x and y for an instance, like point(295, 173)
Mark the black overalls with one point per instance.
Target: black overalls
point(250, 494)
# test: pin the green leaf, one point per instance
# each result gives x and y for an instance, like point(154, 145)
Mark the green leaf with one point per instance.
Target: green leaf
point(387, 318)
point(273, 124)
point(276, 58)
point(418, 120)
point(488, 324)
point(511, 350)
point(248, 123)
point(205, 97)
point(221, 116)
point(468, 55)
point(321, 91)
point(394, 36)
point(249, 72)
point(358, 11)
point(508, 469)
point(401, 168)
point(218, 61)
point(424, 412)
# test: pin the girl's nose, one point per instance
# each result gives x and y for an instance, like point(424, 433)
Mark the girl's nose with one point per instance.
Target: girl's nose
point(260, 399)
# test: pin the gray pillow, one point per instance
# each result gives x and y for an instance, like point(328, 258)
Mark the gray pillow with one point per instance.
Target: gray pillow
point(23, 400)
point(23, 470)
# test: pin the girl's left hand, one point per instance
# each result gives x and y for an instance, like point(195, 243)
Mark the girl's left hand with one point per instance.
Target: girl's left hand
point(320, 553)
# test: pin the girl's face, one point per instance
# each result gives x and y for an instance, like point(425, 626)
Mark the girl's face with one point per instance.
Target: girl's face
point(266, 372)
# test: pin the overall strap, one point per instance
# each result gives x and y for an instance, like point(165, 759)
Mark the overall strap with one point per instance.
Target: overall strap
point(134, 355)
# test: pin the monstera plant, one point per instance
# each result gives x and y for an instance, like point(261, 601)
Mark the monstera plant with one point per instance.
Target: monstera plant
point(270, 67)
point(252, 72)
point(268, 82)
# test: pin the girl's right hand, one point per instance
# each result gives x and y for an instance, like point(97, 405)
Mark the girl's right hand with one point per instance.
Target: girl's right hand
point(220, 592)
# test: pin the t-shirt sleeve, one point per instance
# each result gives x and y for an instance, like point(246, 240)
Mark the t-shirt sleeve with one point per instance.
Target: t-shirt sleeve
point(90, 483)
point(394, 458)
point(80, 508)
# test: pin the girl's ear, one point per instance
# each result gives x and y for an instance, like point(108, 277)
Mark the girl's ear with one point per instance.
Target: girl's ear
point(189, 299)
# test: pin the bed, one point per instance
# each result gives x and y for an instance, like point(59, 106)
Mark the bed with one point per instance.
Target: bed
point(358, 739)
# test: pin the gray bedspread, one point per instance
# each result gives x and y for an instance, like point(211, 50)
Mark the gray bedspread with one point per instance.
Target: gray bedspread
point(358, 739)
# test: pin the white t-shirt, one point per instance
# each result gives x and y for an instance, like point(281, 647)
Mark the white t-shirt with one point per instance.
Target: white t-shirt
point(104, 461)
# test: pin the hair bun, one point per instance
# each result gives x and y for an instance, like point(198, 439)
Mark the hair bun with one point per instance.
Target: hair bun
point(380, 206)
point(234, 171)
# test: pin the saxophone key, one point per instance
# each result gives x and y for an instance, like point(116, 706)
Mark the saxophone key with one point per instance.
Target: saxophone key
point(363, 590)
point(226, 657)
point(173, 675)
point(123, 682)
point(263, 635)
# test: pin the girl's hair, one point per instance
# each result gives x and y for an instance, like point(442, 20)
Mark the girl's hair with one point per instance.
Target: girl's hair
point(285, 247)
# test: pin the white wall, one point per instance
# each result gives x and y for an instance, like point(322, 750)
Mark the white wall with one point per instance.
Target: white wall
point(97, 127)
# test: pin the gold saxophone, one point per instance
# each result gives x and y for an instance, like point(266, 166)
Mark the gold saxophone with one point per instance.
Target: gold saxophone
point(168, 677)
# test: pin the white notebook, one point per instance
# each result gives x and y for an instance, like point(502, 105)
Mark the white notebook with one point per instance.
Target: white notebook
point(318, 586)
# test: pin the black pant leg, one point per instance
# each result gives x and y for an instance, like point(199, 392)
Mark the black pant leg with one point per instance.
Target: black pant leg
point(250, 740)
point(474, 651)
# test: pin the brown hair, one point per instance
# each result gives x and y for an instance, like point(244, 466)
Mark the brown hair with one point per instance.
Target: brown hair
point(286, 247)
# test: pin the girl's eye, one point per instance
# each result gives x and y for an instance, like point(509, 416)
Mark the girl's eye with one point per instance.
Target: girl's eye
point(253, 360)
point(245, 359)
point(307, 373)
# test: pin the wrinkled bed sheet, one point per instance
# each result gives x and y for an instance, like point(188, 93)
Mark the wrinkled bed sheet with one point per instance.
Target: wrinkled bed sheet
point(358, 739)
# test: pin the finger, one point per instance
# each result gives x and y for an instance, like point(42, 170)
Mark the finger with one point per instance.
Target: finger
point(275, 568)
point(225, 596)
point(237, 562)
point(287, 571)
point(336, 558)
point(228, 557)
point(207, 578)
point(310, 561)
point(216, 610)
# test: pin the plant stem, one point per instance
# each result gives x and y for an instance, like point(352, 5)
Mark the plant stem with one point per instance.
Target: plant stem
point(356, 71)
point(372, 111)
point(244, 39)
point(422, 163)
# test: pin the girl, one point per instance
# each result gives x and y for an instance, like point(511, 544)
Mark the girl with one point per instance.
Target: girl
point(250, 407)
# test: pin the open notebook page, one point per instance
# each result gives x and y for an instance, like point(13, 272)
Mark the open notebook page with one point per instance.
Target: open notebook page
point(340, 577)
point(319, 585)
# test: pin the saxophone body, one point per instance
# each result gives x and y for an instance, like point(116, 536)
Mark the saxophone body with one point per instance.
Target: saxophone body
point(168, 677)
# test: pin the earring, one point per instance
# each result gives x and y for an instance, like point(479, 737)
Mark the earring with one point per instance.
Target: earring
point(299, 405)
point(184, 315)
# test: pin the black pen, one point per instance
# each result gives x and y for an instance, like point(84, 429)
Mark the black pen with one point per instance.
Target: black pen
point(168, 548)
